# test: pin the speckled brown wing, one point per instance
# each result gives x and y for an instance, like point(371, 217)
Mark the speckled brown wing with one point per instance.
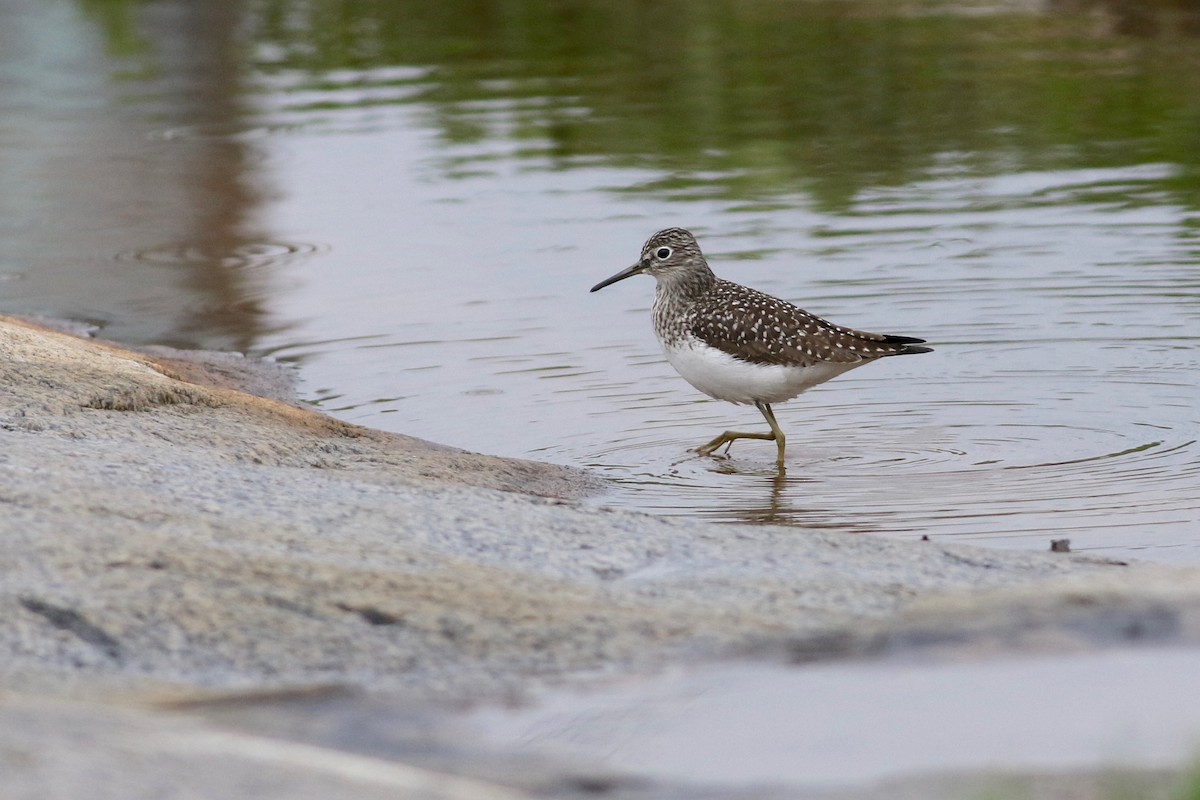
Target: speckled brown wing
point(762, 329)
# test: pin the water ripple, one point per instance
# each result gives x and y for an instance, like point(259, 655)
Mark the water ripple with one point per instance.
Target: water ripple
point(243, 255)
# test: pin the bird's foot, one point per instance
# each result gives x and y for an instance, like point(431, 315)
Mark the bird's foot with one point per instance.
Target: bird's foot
point(728, 438)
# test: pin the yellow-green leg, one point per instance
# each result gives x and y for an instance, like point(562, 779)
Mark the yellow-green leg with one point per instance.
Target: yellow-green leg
point(780, 439)
point(729, 437)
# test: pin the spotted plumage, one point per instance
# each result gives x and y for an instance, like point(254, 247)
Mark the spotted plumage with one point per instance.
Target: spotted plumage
point(738, 344)
point(762, 329)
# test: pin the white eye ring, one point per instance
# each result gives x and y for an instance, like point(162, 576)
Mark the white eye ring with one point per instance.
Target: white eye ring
point(663, 253)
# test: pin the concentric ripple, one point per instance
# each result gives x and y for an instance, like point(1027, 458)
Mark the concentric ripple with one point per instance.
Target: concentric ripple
point(930, 480)
point(244, 255)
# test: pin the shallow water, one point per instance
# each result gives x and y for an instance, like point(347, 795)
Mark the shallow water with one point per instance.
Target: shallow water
point(773, 730)
point(839, 726)
point(410, 203)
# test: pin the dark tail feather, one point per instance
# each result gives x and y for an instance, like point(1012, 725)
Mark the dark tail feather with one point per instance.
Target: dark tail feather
point(910, 345)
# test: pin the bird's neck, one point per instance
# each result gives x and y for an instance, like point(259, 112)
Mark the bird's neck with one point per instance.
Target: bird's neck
point(675, 299)
point(685, 286)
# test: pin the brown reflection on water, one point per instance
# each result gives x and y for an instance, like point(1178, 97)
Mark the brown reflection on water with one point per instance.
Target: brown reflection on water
point(1141, 18)
point(219, 178)
point(105, 164)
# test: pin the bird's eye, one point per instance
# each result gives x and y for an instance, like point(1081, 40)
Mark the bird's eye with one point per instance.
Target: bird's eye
point(662, 253)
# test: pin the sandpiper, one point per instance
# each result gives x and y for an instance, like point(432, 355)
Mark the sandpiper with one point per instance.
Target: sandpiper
point(738, 344)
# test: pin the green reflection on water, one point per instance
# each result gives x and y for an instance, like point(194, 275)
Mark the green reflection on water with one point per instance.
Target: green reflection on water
point(753, 98)
point(117, 21)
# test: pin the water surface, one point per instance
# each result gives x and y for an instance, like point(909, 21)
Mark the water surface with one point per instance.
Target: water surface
point(409, 202)
point(842, 726)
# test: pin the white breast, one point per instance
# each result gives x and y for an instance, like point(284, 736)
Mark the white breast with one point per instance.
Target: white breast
point(721, 376)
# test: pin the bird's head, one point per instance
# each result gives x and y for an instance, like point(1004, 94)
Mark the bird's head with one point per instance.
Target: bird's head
point(670, 252)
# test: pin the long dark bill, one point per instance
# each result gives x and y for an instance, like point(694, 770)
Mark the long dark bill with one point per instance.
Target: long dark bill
point(620, 276)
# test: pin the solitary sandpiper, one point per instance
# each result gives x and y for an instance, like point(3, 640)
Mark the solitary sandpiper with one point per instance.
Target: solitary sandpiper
point(738, 344)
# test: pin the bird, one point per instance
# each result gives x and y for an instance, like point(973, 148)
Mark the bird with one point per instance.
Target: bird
point(741, 345)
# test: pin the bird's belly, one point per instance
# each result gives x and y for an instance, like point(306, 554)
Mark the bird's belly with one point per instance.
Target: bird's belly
point(721, 376)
